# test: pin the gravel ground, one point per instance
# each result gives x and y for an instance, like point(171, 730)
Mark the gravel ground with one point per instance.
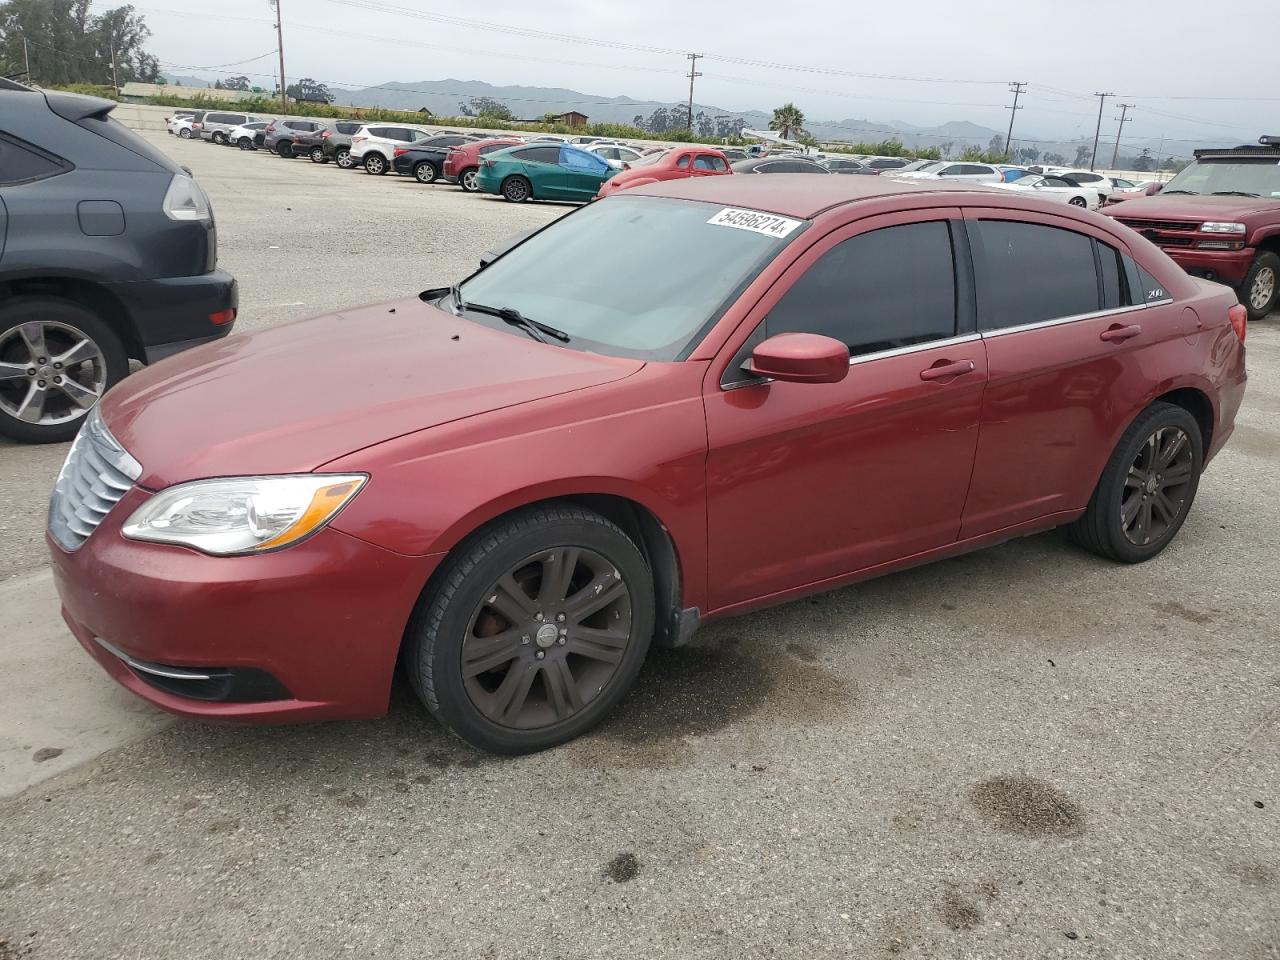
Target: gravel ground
point(1027, 752)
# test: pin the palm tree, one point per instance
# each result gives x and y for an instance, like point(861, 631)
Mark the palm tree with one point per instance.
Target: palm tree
point(787, 120)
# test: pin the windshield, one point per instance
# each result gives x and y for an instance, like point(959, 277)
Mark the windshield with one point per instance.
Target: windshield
point(1259, 176)
point(633, 276)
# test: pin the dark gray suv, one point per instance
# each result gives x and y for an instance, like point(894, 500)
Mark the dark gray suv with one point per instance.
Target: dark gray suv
point(108, 252)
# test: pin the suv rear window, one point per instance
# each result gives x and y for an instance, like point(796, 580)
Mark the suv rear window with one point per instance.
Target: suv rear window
point(348, 128)
point(20, 162)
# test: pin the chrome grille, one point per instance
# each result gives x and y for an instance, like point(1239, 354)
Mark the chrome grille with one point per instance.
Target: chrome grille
point(96, 474)
point(1161, 225)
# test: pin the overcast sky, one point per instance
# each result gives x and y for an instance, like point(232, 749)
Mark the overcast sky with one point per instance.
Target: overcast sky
point(1148, 53)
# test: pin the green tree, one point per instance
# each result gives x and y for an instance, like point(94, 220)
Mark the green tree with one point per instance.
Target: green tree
point(69, 45)
point(307, 90)
point(1083, 153)
point(996, 146)
point(236, 83)
point(1055, 159)
point(788, 121)
point(1028, 154)
point(1144, 161)
point(490, 109)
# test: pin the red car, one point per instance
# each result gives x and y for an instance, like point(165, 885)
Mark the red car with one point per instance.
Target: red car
point(515, 485)
point(676, 164)
point(462, 162)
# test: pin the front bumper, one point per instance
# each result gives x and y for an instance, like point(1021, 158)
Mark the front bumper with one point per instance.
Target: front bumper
point(1225, 266)
point(171, 314)
point(311, 632)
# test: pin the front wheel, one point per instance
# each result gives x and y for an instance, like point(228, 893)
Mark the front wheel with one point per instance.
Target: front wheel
point(57, 359)
point(375, 164)
point(1078, 202)
point(244, 143)
point(1260, 292)
point(219, 137)
point(536, 628)
point(343, 159)
point(1147, 487)
point(426, 172)
point(467, 180)
point(284, 149)
point(517, 189)
point(317, 155)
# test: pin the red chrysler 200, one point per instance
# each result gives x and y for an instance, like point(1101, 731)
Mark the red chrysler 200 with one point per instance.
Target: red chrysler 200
point(686, 401)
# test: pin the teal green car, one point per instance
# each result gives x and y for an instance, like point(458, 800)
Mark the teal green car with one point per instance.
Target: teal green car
point(542, 171)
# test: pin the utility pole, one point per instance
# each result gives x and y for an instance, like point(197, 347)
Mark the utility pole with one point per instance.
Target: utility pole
point(1102, 99)
point(26, 56)
point(284, 99)
point(1123, 118)
point(693, 73)
point(1017, 90)
point(115, 77)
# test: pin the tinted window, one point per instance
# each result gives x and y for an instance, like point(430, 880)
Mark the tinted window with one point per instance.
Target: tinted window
point(880, 290)
point(383, 132)
point(540, 154)
point(452, 141)
point(490, 147)
point(1113, 292)
point(951, 171)
point(973, 168)
point(683, 162)
point(219, 118)
point(21, 163)
point(348, 128)
point(705, 162)
point(1033, 273)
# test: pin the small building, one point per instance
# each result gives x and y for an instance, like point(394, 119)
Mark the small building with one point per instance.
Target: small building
point(572, 119)
point(134, 92)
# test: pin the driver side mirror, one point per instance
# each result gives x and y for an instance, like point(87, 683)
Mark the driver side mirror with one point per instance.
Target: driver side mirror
point(800, 358)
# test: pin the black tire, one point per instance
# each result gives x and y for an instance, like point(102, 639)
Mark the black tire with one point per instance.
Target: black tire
point(433, 648)
point(1263, 262)
point(284, 149)
point(467, 179)
point(86, 324)
point(342, 157)
point(219, 137)
point(244, 143)
point(375, 164)
point(517, 189)
point(1078, 202)
point(1102, 528)
point(184, 134)
point(426, 172)
point(317, 155)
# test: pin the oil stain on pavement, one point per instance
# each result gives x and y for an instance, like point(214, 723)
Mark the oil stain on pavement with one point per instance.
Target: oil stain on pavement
point(1027, 807)
point(623, 868)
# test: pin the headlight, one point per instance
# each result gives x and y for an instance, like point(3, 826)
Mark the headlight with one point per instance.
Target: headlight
point(1214, 227)
point(243, 514)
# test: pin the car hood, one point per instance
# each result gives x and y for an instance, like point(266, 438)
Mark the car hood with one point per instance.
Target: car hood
point(289, 399)
point(1182, 206)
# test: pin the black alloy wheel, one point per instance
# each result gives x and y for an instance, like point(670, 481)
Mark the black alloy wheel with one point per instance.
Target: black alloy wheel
point(1147, 487)
point(517, 189)
point(536, 627)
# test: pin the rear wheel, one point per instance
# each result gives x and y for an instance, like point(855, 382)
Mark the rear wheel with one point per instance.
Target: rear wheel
point(426, 172)
point(219, 137)
point(1260, 292)
point(375, 164)
point(244, 143)
point(537, 627)
point(343, 158)
point(317, 155)
point(1147, 487)
point(184, 134)
point(284, 149)
point(467, 180)
point(57, 359)
point(1078, 202)
point(517, 189)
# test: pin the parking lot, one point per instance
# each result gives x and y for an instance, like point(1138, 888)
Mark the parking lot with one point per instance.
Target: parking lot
point(1027, 752)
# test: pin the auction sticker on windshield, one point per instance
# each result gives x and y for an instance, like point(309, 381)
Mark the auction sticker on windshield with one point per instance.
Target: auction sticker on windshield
point(756, 222)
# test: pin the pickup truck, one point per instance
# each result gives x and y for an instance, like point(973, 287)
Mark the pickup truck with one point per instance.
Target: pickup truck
point(1220, 219)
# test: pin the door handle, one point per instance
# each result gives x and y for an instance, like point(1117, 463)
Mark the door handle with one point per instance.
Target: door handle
point(1116, 333)
point(944, 369)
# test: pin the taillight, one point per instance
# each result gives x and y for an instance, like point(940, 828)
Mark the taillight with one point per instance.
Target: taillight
point(326, 135)
point(485, 163)
point(222, 317)
point(197, 126)
point(625, 165)
point(271, 128)
point(358, 139)
point(399, 152)
point(1239, 318)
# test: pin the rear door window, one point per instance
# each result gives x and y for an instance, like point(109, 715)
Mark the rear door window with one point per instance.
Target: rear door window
point(1030, 273)
point(888, 288)
point(540, 154)
point(707, 162)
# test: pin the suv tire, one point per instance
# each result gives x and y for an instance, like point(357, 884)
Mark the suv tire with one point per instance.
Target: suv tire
point(574, 668)
point(1263, 275)
point(57, 327)
point(376, 164)
point(342, 157)
point(219, 137)
point(1152, 476)
point(284, 149)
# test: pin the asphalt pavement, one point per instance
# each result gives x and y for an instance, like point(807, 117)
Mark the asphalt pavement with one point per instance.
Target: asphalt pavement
point(1023, 753)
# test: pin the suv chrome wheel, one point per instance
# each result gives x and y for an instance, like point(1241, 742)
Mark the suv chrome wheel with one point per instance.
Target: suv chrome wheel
point(50, 373)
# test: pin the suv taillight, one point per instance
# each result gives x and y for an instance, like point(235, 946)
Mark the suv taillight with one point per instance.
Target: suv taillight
point(271, 128)
point(358, 139)
point(326, 135)
point(184, 200)
point(1239, 317)
point(197, 125)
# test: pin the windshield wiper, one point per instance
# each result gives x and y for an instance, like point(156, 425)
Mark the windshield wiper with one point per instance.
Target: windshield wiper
point(539, 331)
point(1234, 193)
point(1194, 193)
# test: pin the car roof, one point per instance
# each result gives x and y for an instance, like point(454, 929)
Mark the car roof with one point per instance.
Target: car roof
point(798, 195)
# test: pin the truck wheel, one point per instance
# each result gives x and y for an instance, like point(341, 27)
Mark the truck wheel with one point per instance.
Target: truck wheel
point(1261, 288)
point(57, 359)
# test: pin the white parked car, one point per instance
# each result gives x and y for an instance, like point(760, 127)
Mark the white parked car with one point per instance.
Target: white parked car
point(1087, 178)
point(1055, 188)
point(946, 170)
point(374, 145)
point(243, 135)
point(181, 125)
point(217, 124)
point(614, 154)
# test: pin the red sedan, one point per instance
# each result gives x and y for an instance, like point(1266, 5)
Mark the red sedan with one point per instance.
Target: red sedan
point(462, 163)
point(679, 163)
point(515, 485)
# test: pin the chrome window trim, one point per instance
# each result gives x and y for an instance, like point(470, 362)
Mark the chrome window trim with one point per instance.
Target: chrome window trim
point(914, 348)
point(1074, 318)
